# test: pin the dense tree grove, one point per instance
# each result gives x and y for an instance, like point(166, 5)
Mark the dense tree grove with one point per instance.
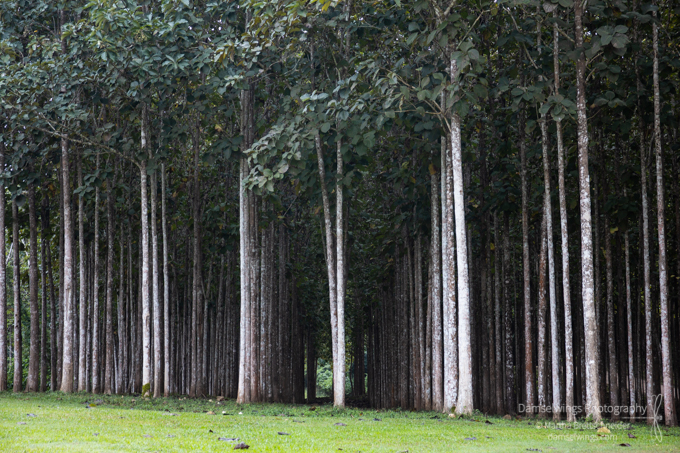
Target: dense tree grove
point(456, 205)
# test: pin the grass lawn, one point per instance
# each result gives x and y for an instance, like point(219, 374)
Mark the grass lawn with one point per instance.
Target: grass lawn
point(55, 422)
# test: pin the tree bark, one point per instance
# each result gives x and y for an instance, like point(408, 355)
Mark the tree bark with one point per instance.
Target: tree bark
point(33, 382)
point(146, 309)
point(589, 320)
point(82, 355)
point(668, 393)
point(67, 295)
point(96, 383)
point(18, 362)
point(110, 236)
point(3, 283)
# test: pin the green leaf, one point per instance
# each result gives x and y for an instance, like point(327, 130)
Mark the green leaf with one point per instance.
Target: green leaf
point(325, 127)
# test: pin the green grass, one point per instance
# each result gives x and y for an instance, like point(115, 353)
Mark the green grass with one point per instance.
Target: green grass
point(65, 423)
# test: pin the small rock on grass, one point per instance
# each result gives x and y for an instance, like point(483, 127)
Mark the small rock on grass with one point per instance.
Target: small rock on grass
point(241, 446)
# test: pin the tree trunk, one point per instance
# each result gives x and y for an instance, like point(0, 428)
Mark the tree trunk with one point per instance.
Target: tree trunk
point(526, 268)
point(542, 358)
point(508, 321)
point(43, 291)
point(18, 357)
point(110, 236)
point(146, 309)
point(82, 363)
point(157, 310)
point(33, 382)
point(166, 289)
point(669, 413)
point(611, 339)
point(96, 383)
point(67, 294)
point(588, 284)
point(3, 284)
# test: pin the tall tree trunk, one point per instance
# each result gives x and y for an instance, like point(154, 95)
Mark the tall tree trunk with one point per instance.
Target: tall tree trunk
point(566, 287)
point(497, 314)
point(464, 404)
point(529, 371)
point(588, 284)
point(508, 321)
point(3, 284)
point(67, 294)
point(96, 383)
point(18, 357)
point(157, 310)
point(166, 289)
point(33, 382)
point(82, 362)
point(110, 236)
point(43, 290)
point(542, 358)
point(146, 309)
point(669, 413)
point(611, 339)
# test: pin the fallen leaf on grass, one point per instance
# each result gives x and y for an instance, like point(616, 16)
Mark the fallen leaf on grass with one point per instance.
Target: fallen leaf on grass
point(631, 436)
point(533, 449)
point(31, 415)
point(96, 434)
point(210, 413)
point(21, 423)
point(210, 430)
point(283, 434)
point(170, 435)
point(228, 439)
point(298, 421)
point(241, 446)
point(488, 422)
point(312, 408)
point(603, 430)
point(377, 419)
point(340, 424)
point(149, 436)
point(625, 445)
point(470, 438)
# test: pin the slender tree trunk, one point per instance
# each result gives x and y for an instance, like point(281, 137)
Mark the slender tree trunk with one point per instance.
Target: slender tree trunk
point(3, 284)
point(669, 413)
point(67, 294)
point(542, 358)
point(146, 309)
point(96, 383)
point(566, 287)
point(166, 288)
point(588, 284)
point(82, 363)
point(18, 357)
point(508, 321)
point(110, 236)
point(498, 378)
point(157, 311)
point(529, 371)
point(43, 291)
point(33, 382)
point(611, 339)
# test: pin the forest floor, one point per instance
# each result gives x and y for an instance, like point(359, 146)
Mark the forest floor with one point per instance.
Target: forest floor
point(55, 422)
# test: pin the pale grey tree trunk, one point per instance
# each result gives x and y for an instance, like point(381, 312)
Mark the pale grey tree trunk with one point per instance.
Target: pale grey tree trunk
point(146, 308)
point(588, 284)
point(629, 319)
point(16, 289)
point(166, 289)
point(33, 381)
point(449, 284)
point(82, 355)
point(110, 236)
point(566, 287)
point(67, 295)
point(157, 313)
point(668, 393)
point(435, 297)
point(464, 404)
point(339, 365)
point(3, 286)
point(96, 383)
point(542, 358)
